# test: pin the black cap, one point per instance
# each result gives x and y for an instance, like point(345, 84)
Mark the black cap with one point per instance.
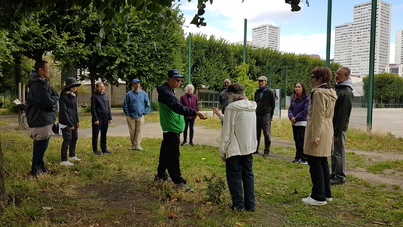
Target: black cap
point(236, 88)
point(175, 73)
point(71, 82)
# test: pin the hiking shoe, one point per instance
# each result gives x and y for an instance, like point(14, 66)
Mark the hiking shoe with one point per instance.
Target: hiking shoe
point(74, 159)
point(308, 200)
point(240, 209)
point(106, 152)
point(168, 179)
point(191, 144)
point(183, 186)
point(336, 181)
point(138, 148)
point(97, 153)
point(66, 163)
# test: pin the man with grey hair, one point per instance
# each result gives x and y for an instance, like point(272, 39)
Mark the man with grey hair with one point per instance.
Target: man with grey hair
point(341, 118)
point(266, 102)
point(223, 96)
point(237, 144)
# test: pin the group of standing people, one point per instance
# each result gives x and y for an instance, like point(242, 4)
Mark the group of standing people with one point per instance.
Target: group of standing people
point(319, 122)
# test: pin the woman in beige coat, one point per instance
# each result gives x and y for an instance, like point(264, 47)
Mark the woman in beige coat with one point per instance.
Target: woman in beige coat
point(319, 135)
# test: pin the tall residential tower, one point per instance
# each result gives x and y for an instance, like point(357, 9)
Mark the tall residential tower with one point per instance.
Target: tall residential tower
point(357, 56)
point(266, 36)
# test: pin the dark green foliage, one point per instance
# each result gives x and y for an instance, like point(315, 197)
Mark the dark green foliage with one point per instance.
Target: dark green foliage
point(388, 88)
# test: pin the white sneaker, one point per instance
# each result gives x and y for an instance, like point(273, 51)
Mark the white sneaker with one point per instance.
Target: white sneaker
point(66, 163)
point(74, 159)
point(139, 148)
point(308, 200)
point(329, 199)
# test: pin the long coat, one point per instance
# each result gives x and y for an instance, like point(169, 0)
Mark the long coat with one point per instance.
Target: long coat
point(320, 126)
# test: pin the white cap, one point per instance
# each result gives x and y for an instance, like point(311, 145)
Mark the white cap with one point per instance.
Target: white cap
point(262, 78)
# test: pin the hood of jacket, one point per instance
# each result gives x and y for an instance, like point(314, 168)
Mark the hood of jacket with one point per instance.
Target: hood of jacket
point(244, 105)
point(326, 90)
point(34, 76)
point(348, 83)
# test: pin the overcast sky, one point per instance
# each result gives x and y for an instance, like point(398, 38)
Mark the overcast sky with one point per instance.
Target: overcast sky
point(302, 32)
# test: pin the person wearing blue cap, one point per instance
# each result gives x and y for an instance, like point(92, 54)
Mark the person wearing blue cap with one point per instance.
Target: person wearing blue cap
point(135, 106)
point(172, 124)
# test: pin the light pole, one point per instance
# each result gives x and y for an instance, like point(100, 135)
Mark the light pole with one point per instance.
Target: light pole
point(329, 30)
point(189, 57)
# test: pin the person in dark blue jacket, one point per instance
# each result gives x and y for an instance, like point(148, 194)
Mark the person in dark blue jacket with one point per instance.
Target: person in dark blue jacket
point(41, 113)
point(298, 115)
point(101, 117)
point(68, 120)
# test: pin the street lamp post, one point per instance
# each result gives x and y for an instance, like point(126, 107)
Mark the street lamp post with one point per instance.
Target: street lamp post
point(189, 58)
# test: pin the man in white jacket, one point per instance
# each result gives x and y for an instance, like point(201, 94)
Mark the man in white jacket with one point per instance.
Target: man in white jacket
point(238, 142)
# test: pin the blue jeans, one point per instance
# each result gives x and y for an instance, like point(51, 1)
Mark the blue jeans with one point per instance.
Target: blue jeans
point(239, 173)
point(320, 176)
point(169, 158)
point(38, 166)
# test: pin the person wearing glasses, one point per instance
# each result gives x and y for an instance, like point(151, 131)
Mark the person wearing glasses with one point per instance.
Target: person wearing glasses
point(342, 111)
point(319, 135)
point(172, 122)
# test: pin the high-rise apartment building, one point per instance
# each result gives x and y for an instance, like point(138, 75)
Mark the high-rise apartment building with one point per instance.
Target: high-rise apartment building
point(266, 36)
point(360, 30)
point(399, 47)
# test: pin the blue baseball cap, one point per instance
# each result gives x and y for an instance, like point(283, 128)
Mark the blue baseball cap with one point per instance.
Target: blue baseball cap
point(175, 73)
point(135, 81)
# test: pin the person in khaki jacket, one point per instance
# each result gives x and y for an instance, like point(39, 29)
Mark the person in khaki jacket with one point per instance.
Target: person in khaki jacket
point(319, 135)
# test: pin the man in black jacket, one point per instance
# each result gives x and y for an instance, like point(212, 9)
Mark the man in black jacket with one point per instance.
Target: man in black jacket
point(266, 102)
point(341, 118)
point(41, 113)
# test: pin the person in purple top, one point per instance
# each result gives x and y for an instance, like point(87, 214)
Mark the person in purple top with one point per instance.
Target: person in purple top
point(298, 115)
point(189, 100)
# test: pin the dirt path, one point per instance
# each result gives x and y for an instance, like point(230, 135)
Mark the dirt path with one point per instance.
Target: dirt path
point(212, 137)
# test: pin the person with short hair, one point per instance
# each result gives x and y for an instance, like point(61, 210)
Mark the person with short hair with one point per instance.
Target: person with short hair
point(319, 135)
point(190, 100)
point(266, 102)
point(223, 96)
point(135, 106)
point(342, 111)
point(41, 103)
point(68, 121)
point(237, 144)
point(101, 118)
point(172, 124)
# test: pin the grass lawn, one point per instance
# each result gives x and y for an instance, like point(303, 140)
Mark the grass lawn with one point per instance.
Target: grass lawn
point(118, 189)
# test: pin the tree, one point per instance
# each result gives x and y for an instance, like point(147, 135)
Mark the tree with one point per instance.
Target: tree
point(387, 87)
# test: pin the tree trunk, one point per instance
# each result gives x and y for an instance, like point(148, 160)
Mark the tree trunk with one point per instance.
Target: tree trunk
point(3, 195)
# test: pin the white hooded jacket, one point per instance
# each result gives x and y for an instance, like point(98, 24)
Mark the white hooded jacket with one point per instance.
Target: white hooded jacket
point(238, 135)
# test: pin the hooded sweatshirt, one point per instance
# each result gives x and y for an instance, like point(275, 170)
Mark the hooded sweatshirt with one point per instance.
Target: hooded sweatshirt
point(342, 109)
point(238, 135)
point(41, 102)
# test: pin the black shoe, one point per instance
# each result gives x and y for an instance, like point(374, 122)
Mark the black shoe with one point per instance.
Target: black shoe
point(295, 160)
point(336, 181)
point(106, 152)
point(97, 153)
point(184, 143)
point(240, 209)
point(191, 144)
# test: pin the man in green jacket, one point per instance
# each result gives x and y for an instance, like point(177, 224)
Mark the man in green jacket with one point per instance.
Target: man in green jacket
point(341, 118)
point(173, 124)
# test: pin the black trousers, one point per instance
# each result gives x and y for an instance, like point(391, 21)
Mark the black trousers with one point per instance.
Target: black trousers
point(169, 158)
point(38, 166)
point(103, 127)
point(69, 142)
point(320, 176)
point(189, 123)
point(299, 135)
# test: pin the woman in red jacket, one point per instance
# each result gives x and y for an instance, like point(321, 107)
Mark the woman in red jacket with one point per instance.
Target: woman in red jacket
point(189, 100)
